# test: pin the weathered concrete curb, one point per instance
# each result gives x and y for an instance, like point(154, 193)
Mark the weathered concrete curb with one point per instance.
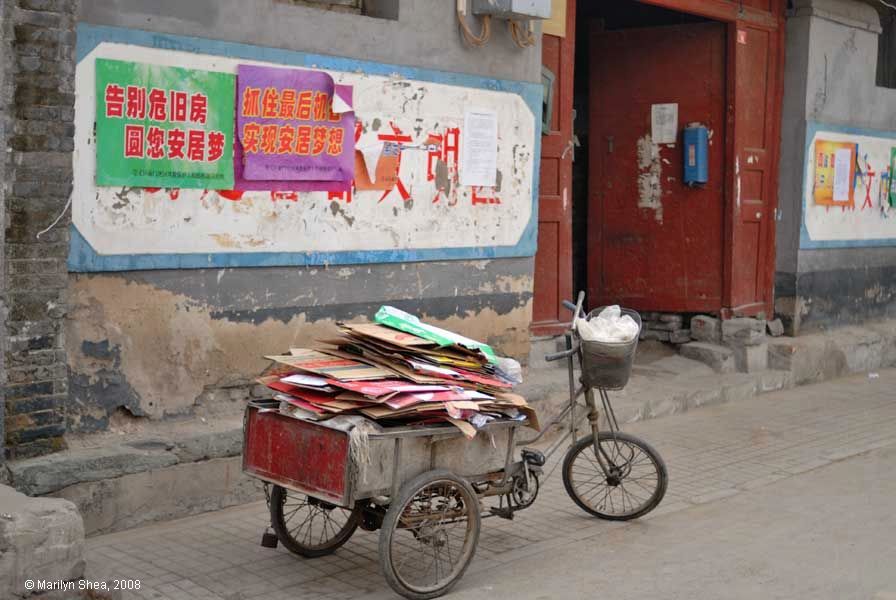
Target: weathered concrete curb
point(818, 357)
point(180, 490)
point(550, 394)
point(803, 360)
point(120, 486)
point(46, 474)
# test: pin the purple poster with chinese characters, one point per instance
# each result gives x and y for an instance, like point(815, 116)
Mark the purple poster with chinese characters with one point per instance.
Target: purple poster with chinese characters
point(294, 125)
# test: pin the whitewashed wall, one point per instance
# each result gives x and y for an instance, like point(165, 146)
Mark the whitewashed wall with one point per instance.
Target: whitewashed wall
point(131, 221)
point(862, 222)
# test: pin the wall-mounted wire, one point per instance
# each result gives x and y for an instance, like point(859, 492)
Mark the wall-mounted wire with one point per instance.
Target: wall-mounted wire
point(471, 38)
point(56, 220)
point(522, 35)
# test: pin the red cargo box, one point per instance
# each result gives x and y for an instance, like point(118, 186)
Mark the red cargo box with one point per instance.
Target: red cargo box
point(299, 455)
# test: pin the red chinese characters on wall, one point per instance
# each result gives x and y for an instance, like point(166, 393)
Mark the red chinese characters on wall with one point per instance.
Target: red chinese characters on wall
point(290, 138)
point(442, 152)
point(442, 148)
point(393, 145)
point(157, 139)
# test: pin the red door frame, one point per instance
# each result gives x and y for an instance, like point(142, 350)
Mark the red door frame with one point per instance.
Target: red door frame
point(738, 16)
point(557, 207)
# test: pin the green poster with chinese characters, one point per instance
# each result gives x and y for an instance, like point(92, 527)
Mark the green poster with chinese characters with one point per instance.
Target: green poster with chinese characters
point(163, 126)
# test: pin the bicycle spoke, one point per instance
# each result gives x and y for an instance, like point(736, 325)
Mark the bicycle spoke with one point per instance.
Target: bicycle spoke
point(437, 519)
point(630, 483)
point(310, 524)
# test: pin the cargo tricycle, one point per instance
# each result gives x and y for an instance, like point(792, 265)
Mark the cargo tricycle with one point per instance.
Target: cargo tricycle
point(424, 487)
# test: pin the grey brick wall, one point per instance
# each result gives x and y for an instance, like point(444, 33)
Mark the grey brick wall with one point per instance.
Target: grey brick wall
point(39, 40)
point(5, 103)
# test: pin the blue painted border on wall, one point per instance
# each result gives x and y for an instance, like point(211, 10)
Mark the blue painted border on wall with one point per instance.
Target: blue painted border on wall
point(83, 258)
point(806, 241)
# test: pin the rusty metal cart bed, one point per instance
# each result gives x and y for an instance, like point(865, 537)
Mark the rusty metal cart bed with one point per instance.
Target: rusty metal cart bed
point(421, 486)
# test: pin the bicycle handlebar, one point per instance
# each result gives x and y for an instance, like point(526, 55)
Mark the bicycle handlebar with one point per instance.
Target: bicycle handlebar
point(556, 356)
point(559, 355)
point(576, 309)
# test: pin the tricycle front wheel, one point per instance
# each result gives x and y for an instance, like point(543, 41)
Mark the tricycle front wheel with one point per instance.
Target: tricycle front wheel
point(310, 527)
point(633, 486)
point(429, 535)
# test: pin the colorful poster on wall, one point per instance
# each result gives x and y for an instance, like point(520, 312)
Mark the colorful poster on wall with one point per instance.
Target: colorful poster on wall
point(835, 173)
point(242, 184)
point(162, 126)
point(294, 125)
point(890, 175)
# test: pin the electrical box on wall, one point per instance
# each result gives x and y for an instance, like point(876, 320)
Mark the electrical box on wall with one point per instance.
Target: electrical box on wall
point(696, 154)
point(513, 9)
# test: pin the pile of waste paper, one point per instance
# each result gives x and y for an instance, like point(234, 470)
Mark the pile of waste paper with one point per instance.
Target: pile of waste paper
point(399, 371)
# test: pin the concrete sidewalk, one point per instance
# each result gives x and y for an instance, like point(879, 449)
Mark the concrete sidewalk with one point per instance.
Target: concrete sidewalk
point(826, 534)
point(712, 453)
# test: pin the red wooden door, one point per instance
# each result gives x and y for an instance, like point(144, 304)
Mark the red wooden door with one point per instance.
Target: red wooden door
point(654, 243)
point(553, 259)
point(755, 61)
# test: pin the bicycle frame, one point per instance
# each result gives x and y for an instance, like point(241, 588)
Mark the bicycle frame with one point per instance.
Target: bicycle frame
point(575, 392)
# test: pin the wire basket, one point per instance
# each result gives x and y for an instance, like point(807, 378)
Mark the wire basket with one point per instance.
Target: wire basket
point(608, 365)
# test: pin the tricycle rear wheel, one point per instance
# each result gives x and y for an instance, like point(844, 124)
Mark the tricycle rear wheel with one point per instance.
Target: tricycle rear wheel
point(429, 535)
point(310, 527)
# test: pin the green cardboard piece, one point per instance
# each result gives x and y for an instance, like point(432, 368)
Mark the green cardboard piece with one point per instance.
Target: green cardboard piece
point(398, 319)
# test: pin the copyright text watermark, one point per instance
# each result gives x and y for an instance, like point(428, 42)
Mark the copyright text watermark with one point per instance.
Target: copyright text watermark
point(58, 585)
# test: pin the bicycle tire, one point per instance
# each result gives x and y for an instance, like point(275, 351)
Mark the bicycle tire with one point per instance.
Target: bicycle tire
point(296, 543)
point(428, 531)
point(600, 509)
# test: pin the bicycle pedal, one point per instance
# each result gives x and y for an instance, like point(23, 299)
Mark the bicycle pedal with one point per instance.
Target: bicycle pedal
point(504, 513)
point(269, 540)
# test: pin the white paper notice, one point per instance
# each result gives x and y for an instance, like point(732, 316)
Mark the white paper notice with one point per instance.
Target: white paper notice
point(664, 123)
point(479, 161)
point(842, 164)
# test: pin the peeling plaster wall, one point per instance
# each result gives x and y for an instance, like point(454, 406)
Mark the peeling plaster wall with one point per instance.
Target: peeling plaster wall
point(650, 187)
point(169, 343)
point(830, 84)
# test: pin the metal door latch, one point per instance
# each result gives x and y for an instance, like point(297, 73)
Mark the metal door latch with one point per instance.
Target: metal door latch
point(571, 147)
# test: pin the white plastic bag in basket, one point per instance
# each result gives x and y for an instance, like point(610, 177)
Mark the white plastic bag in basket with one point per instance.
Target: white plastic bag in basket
point(609, 326)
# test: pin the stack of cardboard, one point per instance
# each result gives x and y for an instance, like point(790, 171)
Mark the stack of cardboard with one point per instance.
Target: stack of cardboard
point(398, 371)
